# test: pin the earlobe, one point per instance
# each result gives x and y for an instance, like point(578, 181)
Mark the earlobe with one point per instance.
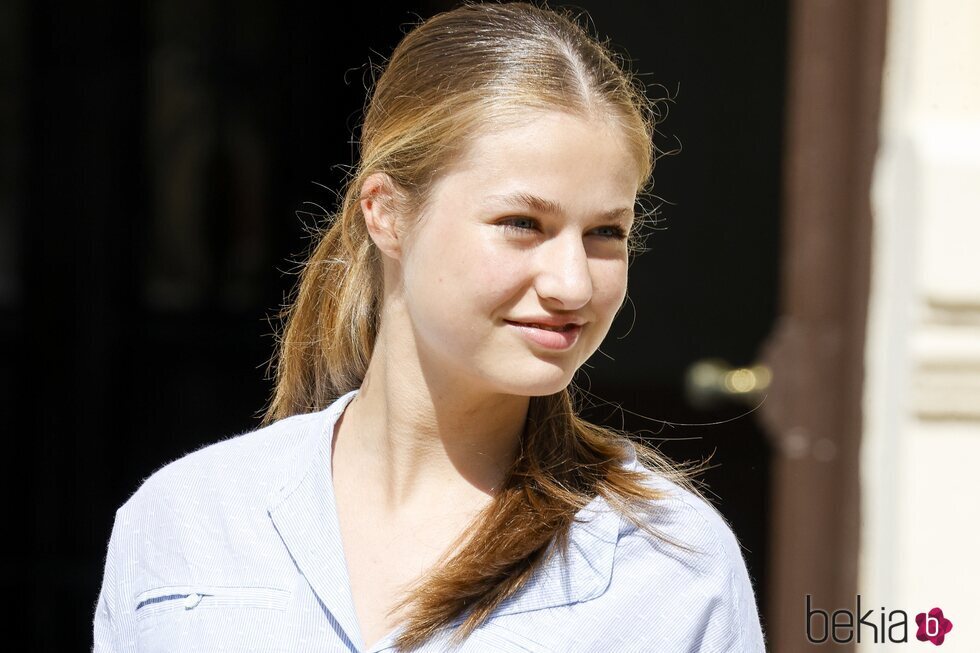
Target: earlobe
point(379, 216)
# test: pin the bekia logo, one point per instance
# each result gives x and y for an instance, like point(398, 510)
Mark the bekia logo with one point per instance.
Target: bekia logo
point(843, 626)
point(933, 626)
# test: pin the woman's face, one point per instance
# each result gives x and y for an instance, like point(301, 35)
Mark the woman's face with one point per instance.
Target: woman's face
point(483, 258)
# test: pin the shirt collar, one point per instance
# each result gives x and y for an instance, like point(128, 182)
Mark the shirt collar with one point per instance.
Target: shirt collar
point(302, 507)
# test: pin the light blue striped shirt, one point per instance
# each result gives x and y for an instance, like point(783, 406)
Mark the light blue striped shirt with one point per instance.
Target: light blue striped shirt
point(236, 547)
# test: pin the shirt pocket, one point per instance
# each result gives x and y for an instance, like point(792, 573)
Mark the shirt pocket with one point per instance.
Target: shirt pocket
point(201, 618)
point(186, 598)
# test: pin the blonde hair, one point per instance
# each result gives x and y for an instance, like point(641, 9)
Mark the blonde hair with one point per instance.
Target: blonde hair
point(453, 77)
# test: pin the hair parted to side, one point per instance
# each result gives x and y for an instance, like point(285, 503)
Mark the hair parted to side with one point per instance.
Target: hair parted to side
point(455, 76)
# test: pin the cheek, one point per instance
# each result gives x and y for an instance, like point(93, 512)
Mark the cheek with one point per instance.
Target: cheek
point(498, 272)
point(610, 279)
point(462, 279)
point(479, 271)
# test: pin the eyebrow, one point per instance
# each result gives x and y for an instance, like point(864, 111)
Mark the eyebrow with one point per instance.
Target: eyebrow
point(523, 200)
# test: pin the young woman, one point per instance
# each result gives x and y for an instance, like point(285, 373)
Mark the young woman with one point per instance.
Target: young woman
point(422, 480)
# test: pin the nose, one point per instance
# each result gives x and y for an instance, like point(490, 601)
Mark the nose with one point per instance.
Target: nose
point(563, 272)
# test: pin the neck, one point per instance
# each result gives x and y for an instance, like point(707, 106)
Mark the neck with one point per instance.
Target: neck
point(426, 440)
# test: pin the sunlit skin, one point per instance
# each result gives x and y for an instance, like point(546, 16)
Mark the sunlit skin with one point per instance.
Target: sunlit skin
point(439, 415)
point(437, 421)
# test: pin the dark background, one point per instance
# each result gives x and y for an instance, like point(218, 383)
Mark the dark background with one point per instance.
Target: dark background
point(160, 161)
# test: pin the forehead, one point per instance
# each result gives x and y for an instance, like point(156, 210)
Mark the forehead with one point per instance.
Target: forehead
point(555, 155)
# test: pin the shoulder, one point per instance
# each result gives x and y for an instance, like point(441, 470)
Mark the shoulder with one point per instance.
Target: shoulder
point(687, 515)
point(240, 469)
point(201, 521)
point(697, 570)
point(203, 518)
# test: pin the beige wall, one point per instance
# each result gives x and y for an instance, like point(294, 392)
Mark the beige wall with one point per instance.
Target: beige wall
point(920, 478)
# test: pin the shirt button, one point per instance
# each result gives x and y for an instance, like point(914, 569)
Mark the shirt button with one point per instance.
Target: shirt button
point(191, 601)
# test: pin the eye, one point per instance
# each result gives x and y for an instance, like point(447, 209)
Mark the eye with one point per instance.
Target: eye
point(509, 225)
point(612, 232)
point(615, 232)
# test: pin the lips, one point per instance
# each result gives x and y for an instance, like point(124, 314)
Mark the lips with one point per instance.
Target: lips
point(566, 327)
point(555, 338)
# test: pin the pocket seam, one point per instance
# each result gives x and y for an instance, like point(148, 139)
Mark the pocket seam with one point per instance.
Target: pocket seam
point(170, 598)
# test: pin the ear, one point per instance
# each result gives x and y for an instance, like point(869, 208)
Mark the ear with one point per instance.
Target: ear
point(378, 208)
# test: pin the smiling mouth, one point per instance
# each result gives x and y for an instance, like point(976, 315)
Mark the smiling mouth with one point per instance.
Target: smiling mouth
point(567, 327)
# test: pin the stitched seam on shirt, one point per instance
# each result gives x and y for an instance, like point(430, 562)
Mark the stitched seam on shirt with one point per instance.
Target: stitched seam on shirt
point(197, 588)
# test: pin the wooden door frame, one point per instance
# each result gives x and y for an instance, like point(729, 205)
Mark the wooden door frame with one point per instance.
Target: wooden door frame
point(816, 350)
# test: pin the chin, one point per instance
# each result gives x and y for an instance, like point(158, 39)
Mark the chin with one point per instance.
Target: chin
point(531, 384)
